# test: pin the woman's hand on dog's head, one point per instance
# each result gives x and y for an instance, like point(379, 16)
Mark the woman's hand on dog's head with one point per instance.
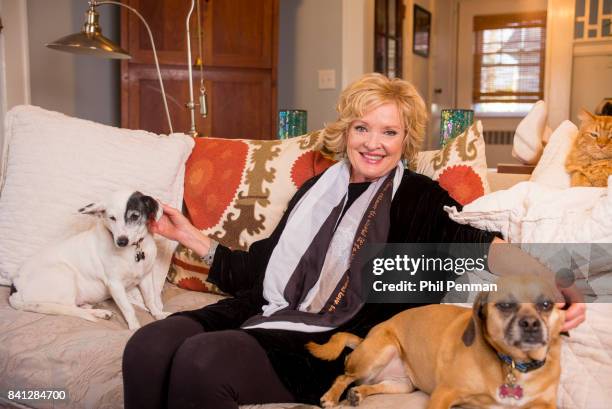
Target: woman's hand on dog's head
point(172, 224)
point(175, 226)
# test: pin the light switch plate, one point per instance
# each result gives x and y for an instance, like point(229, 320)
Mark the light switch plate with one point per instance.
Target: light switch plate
point(327, 79)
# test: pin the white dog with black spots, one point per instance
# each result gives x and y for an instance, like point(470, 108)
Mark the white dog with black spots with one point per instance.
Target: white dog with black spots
point(115, 255)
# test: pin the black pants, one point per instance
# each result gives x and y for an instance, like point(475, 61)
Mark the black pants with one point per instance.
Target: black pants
point(175, 363)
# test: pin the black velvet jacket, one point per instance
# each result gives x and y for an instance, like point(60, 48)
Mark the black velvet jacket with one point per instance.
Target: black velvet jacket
point(416, 216)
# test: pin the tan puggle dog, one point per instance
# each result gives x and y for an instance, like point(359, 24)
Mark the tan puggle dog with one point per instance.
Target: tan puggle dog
point(504, 352)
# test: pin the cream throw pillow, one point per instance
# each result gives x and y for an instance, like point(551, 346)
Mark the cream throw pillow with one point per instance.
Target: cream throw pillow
point(55, 164)
point(527, 146)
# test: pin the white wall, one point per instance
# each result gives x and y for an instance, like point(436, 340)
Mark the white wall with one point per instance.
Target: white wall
point(15, 43)
point(14, 72)
point(322, 34)
point(559, 45)
point(591, 82)
point(310, 39)
point(357, 39)
point(443, 65)
point(52, 73)
point(417, 68)
point(591, 76)
point(98, 85)
point(82, 86)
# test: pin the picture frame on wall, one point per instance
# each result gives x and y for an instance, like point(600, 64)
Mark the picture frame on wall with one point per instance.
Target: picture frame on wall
point(421, 32)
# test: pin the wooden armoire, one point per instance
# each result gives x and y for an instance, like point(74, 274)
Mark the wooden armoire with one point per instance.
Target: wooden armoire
point(240, 41)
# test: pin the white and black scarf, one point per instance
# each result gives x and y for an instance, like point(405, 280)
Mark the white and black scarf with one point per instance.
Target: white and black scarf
point(312, 282)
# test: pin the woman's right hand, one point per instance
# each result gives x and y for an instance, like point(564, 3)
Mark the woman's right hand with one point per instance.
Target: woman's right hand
point(175, 226)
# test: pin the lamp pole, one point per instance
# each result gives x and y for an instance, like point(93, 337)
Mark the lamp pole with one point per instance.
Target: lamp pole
point(191, 103)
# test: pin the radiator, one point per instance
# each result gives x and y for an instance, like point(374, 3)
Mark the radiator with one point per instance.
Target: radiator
point(498, 137)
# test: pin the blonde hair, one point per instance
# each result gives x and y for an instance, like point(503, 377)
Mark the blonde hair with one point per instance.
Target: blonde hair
point(370, 92)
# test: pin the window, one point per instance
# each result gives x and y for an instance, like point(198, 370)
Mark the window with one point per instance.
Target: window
point(389, 17)
point(509, 61)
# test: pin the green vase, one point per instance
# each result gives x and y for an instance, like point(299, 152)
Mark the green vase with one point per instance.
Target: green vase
point(453, 122)
point(291, 122)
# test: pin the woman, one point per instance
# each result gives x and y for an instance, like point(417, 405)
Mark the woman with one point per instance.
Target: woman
point(301, 284)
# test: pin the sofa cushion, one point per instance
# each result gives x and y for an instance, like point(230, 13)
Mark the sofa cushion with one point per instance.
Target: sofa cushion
point(460, 167)
point(501, 181)
point(55, 164)
point(84, 358)
point(49, 351)
point(236, 191)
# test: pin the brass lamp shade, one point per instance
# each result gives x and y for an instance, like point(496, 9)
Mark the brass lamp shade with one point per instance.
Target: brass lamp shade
point(90, 44)
point(90, 40)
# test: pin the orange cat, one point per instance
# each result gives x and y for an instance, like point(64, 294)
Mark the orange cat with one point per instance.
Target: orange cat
point(590, 160)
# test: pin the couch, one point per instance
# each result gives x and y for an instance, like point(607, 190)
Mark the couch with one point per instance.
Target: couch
point(84, 358)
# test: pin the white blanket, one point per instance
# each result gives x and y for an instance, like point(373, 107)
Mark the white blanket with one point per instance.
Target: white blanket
point(533, 213)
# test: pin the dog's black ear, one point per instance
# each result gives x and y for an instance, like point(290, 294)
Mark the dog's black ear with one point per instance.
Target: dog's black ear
point(476, 323)
point(152, 207)
point(93, 209)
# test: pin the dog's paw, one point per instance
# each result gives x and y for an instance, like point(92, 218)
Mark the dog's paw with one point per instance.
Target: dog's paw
point(354, 397)
point(103, 314)
point(328, 402)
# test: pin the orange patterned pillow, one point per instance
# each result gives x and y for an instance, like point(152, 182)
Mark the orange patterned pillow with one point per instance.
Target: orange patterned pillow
point(236, 191)
point(460, 167)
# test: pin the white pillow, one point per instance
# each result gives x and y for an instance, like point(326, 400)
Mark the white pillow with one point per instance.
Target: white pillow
point(531, 213)
point(55, 164)
point(527, 145)
point(550, 170)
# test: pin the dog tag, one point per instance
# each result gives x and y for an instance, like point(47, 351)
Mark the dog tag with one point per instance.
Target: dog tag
point(140, 255)
point(508, 390)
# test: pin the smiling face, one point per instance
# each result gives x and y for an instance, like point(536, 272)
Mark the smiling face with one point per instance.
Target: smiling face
point(374, 143)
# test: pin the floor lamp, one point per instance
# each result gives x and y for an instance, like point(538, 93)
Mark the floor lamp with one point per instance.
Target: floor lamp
point(91, 41)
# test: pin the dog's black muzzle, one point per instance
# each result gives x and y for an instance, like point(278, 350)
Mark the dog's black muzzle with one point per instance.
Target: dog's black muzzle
point(531, 330)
